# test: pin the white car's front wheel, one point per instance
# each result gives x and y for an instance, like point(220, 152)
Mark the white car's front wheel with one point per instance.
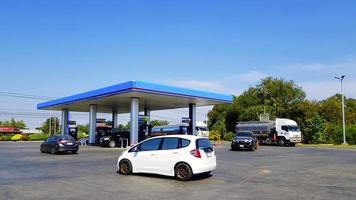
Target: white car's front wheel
point(125, 167)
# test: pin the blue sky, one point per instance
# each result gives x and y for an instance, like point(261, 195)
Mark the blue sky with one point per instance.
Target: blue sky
point(58, 48)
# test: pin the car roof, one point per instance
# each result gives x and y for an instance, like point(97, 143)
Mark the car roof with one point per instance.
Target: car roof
point(170, 126)
point(190, 137)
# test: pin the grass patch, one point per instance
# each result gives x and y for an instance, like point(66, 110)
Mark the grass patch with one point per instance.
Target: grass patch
point(334, 146)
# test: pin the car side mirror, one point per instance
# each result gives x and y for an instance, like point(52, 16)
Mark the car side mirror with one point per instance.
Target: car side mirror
point(135, 149)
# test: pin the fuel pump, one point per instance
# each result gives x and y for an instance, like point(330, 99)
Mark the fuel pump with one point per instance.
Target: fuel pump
point(72, 129)
point(144, 129)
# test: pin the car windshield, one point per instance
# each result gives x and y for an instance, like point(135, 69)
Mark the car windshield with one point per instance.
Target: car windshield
point(243, 134)
point(293, 128)
point(202, 128)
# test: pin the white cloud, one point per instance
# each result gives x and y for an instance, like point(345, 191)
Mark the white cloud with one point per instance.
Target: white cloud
point(324, 89)
point(316, 79)
point(227, 83)
point(252, 76)
point(213, 86)
point(205, 85)
point(347, 66)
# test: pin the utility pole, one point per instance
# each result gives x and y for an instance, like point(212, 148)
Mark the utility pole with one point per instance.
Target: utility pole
point(50, 125)
point(343, 107)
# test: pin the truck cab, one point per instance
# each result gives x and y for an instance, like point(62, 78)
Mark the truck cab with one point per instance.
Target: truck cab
point(288, 132)
point(202, 129)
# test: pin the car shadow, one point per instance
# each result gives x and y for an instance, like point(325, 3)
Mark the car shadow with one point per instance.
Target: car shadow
point(195, 177)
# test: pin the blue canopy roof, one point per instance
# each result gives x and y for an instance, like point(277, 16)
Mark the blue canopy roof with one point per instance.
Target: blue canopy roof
point(153, 96)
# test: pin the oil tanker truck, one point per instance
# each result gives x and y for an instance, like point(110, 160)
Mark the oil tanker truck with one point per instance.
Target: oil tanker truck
point(284, 132)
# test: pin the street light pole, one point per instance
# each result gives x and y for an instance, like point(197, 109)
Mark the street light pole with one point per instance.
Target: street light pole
point(343, 107)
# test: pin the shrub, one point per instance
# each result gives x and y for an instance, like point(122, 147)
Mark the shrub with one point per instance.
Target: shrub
point(37, 136)
point(229, 136)
point(351, 134)
point(24, 137)
point(82, 135)
point(214, 135)
point(6, 137)
point(16, 137)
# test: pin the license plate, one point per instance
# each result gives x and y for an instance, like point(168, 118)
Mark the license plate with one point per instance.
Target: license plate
point(69, 143)
point(241, 145)
point(209, 155)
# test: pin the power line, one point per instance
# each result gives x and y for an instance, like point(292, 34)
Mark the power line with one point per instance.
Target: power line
point(26, 96)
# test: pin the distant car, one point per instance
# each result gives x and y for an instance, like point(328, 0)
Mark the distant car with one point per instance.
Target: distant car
point(244, 140)
point(113, 139)
point(60, 143)
point(181, 156)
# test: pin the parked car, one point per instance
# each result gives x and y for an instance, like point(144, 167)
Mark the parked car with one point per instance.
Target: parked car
point(113, 138)
point(181, 156)
point(244, 140)
point(60, 143)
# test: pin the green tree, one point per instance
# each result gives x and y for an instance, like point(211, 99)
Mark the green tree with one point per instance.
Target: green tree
point(314, 130)
point(50, 126)
point(83, 128)
point(159, 123)
point(20, 124)
point(275, 96)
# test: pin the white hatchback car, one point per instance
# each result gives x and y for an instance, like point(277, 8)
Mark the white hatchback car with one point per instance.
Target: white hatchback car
point(181, 156)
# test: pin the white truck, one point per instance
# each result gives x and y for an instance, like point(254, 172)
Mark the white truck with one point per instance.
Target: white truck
point(280, 131)
point(201, 129)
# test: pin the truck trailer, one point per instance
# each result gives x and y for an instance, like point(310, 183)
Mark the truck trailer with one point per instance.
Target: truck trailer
point(280, 131)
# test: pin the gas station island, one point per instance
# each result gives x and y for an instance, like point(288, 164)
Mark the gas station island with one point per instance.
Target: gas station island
point(132, 97)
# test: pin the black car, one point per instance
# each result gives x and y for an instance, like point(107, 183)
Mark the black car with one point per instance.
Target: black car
point(244, 140)
point(113, 138)
point(60, 143)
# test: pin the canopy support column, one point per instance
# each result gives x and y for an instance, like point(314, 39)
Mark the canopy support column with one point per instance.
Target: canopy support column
point(134, 120)
point(92, 123)
point(192, 117)
point(115, 119)
point(65, 117)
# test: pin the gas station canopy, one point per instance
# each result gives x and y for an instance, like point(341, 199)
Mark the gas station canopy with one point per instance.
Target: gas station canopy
point(132, 97)
point(118, 98)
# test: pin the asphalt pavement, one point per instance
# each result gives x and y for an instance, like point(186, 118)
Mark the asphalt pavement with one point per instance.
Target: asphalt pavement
point(269, 173)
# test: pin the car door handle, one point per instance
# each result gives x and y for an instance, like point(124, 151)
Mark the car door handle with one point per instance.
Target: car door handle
point(175, 152)
point(152, 154)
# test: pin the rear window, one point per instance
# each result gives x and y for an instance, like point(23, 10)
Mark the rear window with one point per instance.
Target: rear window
point(66, 137)
point(203, 144)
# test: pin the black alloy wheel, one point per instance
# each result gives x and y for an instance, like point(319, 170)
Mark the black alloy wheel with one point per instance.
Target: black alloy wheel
point(125, 167)
point(183, 172)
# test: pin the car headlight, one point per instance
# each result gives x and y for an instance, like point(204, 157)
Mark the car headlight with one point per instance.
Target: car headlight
point(106, 138)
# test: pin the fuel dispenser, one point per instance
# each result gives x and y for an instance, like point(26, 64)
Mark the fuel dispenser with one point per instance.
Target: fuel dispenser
point(144, 129)
point(72, 129)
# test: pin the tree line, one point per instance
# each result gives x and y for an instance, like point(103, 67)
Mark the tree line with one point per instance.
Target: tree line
point(320, 121)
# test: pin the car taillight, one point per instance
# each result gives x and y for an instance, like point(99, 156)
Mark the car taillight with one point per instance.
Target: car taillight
point(195, 153)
